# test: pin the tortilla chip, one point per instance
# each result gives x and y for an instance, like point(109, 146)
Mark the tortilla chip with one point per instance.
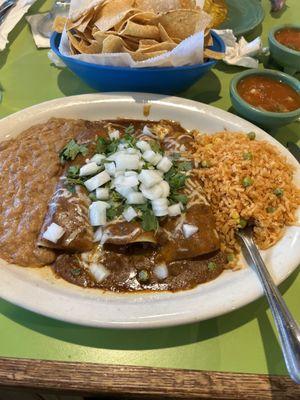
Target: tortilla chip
point(120, 25)
point(130, 44)
point(112, 44)
point(147, 42)
point(208, 40)
point(82, 47)
point(215, 55)
point(93, 5)
point(176, 40)
point(143, 18)
point(158, 6)
point(84, 24)
point(163, 34)
point(180, 23)
point(99, 36)
point(157, 47)
point(112, 13)
point(217, 9)
point(190, 4)
point(141, 31)
point(78, 22)
point(59, 24)
point(139, 56)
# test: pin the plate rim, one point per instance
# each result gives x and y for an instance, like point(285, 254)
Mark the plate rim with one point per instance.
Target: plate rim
point(259, 17)
point(169, 100)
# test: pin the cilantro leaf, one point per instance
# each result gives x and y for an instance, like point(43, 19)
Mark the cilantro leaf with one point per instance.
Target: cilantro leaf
point(101, 145)
point(177, 181)
point(71, 151)
point(176, 156)
point(114, 212)
point(129, 130)
point(112, 147)
point(129, 138)
point(116, 197)
point(73, 171)
point(149, 221)
point(93, 197)
point(179, 198)
point(155, 146)
point(185, 166)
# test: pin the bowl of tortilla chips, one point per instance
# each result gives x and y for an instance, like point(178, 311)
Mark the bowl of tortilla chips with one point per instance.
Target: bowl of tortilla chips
point(161, 46)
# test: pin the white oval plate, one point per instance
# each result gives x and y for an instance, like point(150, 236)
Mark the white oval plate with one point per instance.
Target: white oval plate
point(39, 291)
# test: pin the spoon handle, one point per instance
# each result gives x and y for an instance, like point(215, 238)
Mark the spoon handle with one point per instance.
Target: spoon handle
point(289, 331)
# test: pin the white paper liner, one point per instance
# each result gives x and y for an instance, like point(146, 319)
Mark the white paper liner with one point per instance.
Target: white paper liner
point(12, 18)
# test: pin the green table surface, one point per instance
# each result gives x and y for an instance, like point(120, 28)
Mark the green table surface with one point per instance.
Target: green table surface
point(242, 341)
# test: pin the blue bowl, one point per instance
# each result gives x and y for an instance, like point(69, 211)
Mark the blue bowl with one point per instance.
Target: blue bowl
point(166, 80)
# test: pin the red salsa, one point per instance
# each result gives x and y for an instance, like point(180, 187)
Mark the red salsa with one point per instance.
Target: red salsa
point(268, 94)
point(289, 37)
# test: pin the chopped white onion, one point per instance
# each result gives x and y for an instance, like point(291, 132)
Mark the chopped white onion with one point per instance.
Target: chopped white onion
point(113, 156)
point(149, 178)
point(153, 193)
point(147, 132)
point(174, 210)
point(141, 164)
point(124, 190)
point(98, 271)
point(97, 235)
point(131, 150)
point(160, 212)
point(149, 156)
point(96, 181)
point(165, 188)
point(110, 168)
point(143, 145)
point(130, 173)
point(128, 181)
point(98, 158)
point(102, 194)
point(89, 169)
point(189, 230)
point(182, 148)
point(161, 271)
point(114, 135)
point(97, 212)
point(160, 203)
point(129, 214)
point(160, 207)
point(152, 157)
point(135, 198)
point(122, 146)
point(127, 161)
point(119, 173)
point(164, 164)
point(53, 233)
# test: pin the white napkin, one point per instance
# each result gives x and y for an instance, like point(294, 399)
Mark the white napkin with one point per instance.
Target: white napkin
point(188, 52)
point(240, 52)
point(40, 40)
point(12, 18)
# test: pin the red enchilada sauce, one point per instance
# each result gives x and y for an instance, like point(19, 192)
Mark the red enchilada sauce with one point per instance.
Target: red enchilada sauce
point(268, 94)
point(289, 37)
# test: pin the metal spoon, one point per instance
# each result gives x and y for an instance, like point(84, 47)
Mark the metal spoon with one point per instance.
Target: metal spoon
point(289, 331)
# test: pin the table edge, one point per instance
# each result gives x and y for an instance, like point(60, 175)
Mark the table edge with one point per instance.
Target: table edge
point(141, 382)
